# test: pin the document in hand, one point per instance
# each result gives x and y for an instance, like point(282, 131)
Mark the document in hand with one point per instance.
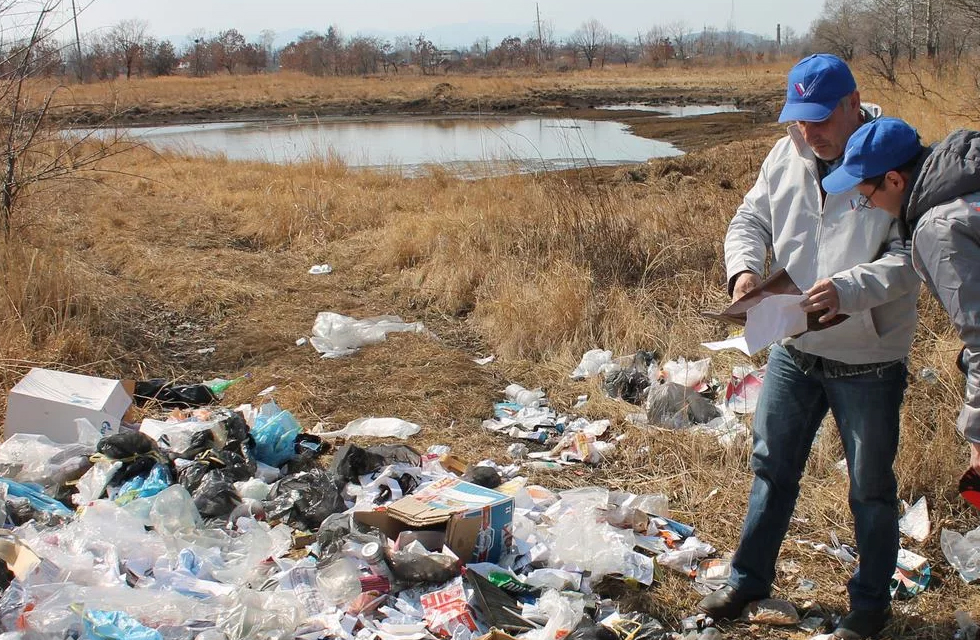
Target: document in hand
point(769, 313)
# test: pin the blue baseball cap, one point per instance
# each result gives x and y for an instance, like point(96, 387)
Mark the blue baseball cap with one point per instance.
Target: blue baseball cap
point(873, 150)
point(814, 87)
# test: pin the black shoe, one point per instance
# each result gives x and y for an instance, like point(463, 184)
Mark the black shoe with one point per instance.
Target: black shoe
point(727, 603)
point(863, 623)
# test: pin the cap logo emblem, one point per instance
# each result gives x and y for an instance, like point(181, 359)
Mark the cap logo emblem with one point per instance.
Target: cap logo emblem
point(800, 89)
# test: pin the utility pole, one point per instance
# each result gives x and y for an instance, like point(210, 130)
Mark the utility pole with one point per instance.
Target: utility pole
point(537, 9)
point(779, 41)
point(78, 42)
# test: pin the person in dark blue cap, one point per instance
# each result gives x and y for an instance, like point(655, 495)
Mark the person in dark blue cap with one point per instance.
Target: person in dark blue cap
point(847, 265)
point(934, 192)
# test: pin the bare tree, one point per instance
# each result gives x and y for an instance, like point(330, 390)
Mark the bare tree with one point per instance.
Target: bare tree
point(590, 39)
point(680, 34)
point(33, 148)
point(838, 30)
point(128, 39)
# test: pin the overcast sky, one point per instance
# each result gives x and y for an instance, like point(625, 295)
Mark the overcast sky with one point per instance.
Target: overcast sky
point(168, 18)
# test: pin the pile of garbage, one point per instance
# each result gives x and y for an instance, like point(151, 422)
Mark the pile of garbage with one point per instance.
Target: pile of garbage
point(215, 523)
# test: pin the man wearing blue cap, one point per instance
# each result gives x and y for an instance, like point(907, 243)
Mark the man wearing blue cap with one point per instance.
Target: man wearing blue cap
point(935, 195)
point(847, 265)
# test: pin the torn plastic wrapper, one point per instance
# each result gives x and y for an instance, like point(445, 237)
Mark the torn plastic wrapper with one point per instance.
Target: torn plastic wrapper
point(912, 575)
point(743, 390)
point(447, 608)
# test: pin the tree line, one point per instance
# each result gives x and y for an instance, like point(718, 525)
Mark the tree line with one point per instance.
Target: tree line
point(128, 50)
point(889, 33)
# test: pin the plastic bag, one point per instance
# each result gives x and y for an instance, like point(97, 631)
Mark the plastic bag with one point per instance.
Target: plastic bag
point(216, 496)
point(773, 612)
point(431, 568)
point(685, 558)
point(305, 499)
point(335, 335)
point(115, 625)
point(37, 498)
point(685, 373)
point(563, 615)
point(144, 487)
point(173, 512)
point(592, 362)
point(678, 406)
point(963, 552)
point(339, 582)
point(137, 451)
point(376, 428)
point(274, 434)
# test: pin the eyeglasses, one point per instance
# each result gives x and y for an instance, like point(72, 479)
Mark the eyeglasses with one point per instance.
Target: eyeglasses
point(864, 202)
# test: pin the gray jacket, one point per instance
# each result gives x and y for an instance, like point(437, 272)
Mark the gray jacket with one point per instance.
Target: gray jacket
point(943, 208)
point(812, 235)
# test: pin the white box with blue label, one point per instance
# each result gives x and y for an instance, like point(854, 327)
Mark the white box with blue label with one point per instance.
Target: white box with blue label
point(477, 520)
point(48, 402)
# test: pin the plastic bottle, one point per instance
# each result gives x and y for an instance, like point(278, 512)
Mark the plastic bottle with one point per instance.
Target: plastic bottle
point(219, 385)
point(520, 395)
point(929, 376)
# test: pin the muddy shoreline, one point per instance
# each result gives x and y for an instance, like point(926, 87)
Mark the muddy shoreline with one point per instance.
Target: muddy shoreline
point(756, 115)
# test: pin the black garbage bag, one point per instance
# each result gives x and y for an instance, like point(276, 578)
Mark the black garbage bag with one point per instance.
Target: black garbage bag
point(136, 450)
point(484, 476)
point(308, 448)
point(431, 568)
point(305, 499)
point(171, 395)
point(351, 462)
point(215, 496)
point(333, 533)
point(200, 441)
point(397, 453)
point(191, 475)
point(236, 428)
point(631, 383)
point(588, 630)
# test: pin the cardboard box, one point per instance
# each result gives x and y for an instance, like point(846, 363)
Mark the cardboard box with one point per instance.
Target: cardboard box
point(477, 520)
point(48, 403)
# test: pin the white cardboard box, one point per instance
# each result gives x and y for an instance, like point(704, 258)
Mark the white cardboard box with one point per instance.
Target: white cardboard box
point(48, 402)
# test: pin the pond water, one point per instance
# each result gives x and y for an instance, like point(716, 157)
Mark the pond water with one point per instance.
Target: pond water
point(469, 145)
point(674, 111)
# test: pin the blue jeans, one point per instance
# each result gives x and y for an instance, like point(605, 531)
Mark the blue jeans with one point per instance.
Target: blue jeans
point(793, 403)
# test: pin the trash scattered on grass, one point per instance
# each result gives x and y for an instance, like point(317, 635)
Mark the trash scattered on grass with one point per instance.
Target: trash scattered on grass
point(376, 428)
point(485, 361)
point(320, 269)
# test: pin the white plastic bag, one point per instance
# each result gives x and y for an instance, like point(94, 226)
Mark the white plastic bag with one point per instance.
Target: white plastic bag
point(687, 374)
point(335, 335)
point(376, 428)
point(963, 552)
point(592, 362)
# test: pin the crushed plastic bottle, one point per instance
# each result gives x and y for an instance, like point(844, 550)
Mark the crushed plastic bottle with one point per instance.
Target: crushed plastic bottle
point(524, 397)
point(929, 376)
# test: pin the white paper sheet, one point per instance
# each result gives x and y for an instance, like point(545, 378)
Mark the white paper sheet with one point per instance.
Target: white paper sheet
point(773, 319)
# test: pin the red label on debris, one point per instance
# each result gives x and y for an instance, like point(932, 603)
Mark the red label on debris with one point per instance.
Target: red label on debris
point(446, 609)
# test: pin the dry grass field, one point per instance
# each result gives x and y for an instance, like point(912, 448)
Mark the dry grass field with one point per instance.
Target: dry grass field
point(129, 274)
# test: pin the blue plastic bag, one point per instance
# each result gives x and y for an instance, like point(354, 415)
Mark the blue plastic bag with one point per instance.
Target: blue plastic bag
point(139, 487)
point(35, 495)
point(275, 434)
point(116, 625)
